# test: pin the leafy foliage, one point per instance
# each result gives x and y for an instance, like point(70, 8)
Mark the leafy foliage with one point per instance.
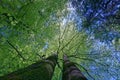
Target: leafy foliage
point(31, 30)
point(23, 31)
point(100, 18)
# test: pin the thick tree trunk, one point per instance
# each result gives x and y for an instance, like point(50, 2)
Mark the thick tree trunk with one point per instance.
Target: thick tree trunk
point(70, 71)
point(42, 70)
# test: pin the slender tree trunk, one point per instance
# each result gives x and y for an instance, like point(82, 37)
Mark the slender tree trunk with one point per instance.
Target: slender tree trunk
point(70, 71)
point(42, 70)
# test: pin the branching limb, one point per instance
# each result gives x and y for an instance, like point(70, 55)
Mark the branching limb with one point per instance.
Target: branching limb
point(69, 42)
point(18, 52)
point(86, 71)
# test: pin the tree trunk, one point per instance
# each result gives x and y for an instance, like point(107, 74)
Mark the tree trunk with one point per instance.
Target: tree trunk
point(42, 70)
point(70, 71)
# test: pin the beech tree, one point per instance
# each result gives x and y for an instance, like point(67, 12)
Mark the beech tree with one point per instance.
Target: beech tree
point(70, 71)
point(59, 40)
point(41, 70)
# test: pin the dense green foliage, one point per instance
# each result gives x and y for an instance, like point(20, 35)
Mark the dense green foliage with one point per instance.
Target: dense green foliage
point(24, 31)
point(32, 30)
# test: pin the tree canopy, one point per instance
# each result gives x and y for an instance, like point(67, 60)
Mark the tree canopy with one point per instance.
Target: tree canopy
point(86, 31)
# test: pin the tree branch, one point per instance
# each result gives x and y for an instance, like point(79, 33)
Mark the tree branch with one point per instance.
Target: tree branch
point(18, 52)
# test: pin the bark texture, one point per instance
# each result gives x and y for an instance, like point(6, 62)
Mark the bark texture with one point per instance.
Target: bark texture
point(42, 70)
point(70, 71)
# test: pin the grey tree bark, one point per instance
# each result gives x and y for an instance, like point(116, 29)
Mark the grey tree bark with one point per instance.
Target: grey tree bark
point(42, 70)
point(70, 71)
